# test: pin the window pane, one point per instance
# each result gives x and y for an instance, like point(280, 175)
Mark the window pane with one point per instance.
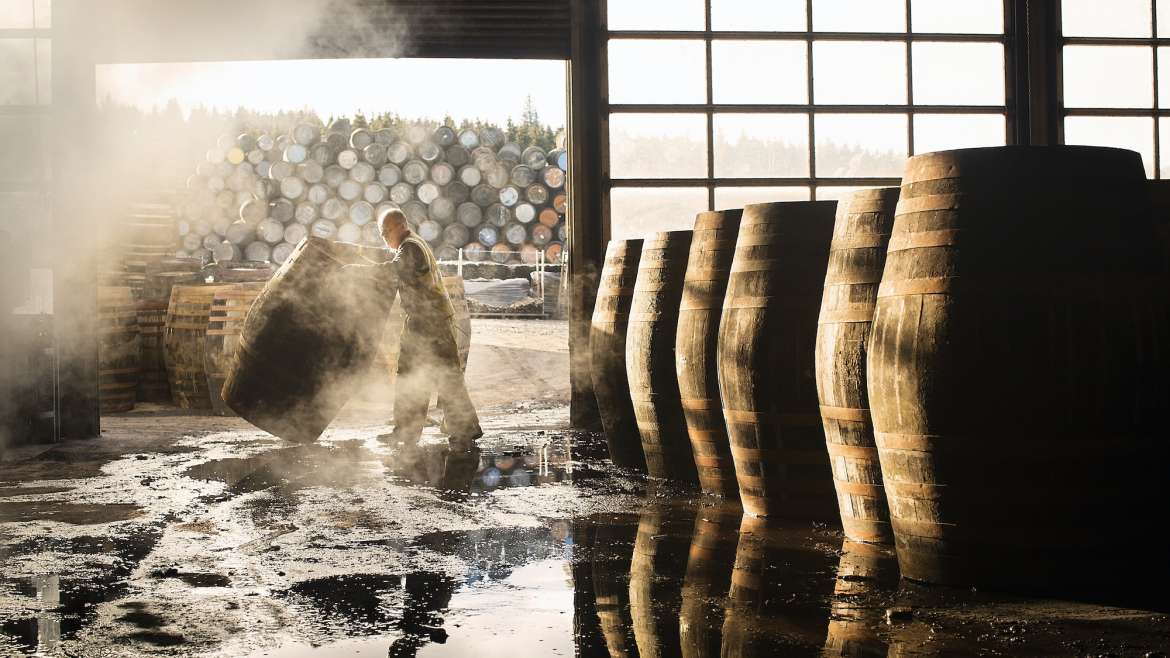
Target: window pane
point(44, 71)
point(644, 71)
point(44, 11)
point(941, 132)
point(966, 17)
point(860, 145)
point(1164, 75)
point(658, 145)
point(637, 212)
point(1133, 133)
point(958, 74)
point(656, 15)
point(737, 66)
point(859, 15)
point(738, 197)
point(16, 15)
point(859, 72)
point(1163, 18)
point(1115, 18)
point(1108, 76)
point(753, 15)
point(18, 82)
point(761, 145)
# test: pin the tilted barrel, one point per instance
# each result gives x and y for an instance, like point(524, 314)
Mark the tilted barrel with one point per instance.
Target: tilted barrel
point(613, 548)
point(767, 340)
point(229, 308)
point(696, 356)
point(184, 344)
point(858, 253)
point(118, 349)
point(607, 346)
point(1017, 370)
point(329, 319)
point(650, 339)
point(856, 609)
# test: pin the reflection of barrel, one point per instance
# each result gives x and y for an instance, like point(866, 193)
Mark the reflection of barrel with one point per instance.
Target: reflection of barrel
point(767, 339)
point(229, 307)
point(613, 546)
point(708, 577)
point(184, 344)
point(650, 368)
point(607, 345)
point(152, 376)
point(1017, 369)
point(860, 235)
point(857, 609)
point(777, 605)
point(696, 355)
point(656, 576)
point(118, 347)
point(331, 321)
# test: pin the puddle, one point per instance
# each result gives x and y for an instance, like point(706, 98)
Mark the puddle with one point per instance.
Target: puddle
point(66, 512)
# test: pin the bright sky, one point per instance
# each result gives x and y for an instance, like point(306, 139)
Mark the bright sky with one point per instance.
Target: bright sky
point(464, 88)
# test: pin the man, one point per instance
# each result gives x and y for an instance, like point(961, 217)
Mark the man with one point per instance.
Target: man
point(428, 356)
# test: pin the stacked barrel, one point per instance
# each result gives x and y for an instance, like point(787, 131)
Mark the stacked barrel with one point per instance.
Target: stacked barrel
point(257, 195)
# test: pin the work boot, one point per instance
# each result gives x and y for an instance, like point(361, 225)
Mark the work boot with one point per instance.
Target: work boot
point(466, 442)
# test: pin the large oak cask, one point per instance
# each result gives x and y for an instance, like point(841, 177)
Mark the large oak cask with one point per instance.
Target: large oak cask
point(1017, 370)
point(708, 578)
point(696, 343)
point(184, 341)
point(656, 577)
point(607, 346)
point(650, 341)
point(308, 340)
point(856, 258)
point(767, 341)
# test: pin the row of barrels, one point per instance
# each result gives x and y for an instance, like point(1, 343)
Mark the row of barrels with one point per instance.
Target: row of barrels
point(675, 581)
point(972, 366)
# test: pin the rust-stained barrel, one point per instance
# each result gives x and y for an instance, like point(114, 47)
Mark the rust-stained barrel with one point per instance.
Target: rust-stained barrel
point(856, 258)
point(776, 606)
point(1017, 370)
point(229, 308)
point(696, 355)
point(613, 547)
point(118, 349)
point(650, 339)
point(184, 344)
point(767, 340)
point(656, 576)
point(707, 579)
point(329, 319)
point(857, 609)
point(607, 346)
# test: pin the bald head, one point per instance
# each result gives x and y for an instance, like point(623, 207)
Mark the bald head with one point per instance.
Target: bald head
point(393, 227)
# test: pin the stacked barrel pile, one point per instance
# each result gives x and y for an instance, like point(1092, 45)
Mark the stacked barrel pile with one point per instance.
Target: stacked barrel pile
point(970, 368)
point(256, 196)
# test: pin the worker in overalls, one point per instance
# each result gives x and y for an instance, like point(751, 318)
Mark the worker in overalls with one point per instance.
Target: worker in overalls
point(428, 357)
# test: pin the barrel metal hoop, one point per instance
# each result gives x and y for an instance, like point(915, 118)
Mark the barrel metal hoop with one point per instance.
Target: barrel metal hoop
point(858, 488)
point(790, 419)
point(927, 203)
point(940, 285)
point(859, 241)
point(845, 413)
point(924, 240)
point(853, 452)
point(754, 265)
point(853, 279)
point(698, 404)
point(853, 314)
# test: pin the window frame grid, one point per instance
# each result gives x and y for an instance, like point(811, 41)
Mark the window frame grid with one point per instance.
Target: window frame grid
point(1155, 112)
point(809, 36)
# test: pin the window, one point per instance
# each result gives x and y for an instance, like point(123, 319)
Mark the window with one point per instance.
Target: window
point(1115, 75)
point(717, 103)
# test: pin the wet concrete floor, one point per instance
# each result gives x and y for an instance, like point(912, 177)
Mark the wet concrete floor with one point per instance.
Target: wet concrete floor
point(160, 540)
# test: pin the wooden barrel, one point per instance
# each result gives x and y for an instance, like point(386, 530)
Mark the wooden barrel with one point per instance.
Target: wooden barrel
point(776, 606)
point(607, 347)
point(1017, 370)
point(707, 580)
point(184, 344)
point(767, 340)
point(696, 356)
point(118, 348)
point(329, 318)
point(152, 375)
point(650, 339)
point(229, 308)
point(857, 610)
point(613, 548)
point(856, 259)
point(657, 570)
point(162, 275)
point(457, 293)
